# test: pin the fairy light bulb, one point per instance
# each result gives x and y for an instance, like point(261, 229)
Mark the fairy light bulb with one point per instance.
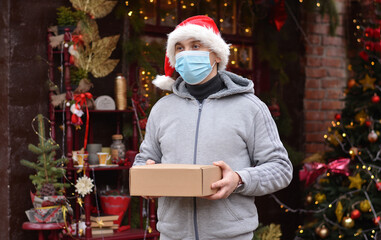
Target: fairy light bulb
point(318, 4)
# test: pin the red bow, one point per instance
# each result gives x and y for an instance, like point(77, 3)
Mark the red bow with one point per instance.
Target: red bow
point(82, 99)
point(311, 171)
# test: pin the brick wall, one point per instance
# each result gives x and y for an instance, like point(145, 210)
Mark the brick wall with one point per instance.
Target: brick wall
point(325, 73)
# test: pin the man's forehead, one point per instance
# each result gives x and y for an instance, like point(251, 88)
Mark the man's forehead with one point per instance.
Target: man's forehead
point(191, 40)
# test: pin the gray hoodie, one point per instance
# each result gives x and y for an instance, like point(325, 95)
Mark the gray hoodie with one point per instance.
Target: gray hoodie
point(232, 125)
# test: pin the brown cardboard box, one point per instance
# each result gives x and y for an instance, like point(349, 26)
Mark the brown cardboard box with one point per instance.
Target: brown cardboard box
point(176, 180)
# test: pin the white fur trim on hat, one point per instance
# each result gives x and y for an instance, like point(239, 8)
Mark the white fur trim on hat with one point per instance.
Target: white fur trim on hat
point(205, 35)
point(163, 82)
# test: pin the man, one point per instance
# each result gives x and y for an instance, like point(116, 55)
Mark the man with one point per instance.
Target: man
point(212, 117)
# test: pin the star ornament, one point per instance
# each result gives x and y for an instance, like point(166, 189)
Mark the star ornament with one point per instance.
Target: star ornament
point(356, 181)
point(100, 223)
point(367, 82)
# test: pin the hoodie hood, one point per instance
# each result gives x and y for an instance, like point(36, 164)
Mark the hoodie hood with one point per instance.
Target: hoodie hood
point(234, 83)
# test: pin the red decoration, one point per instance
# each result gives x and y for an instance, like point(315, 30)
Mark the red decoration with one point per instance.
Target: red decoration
point(355, 214)
point(372, 33)
point(279, 14)
point(337, 117)
point(376, 220)
point(311, 171)
point(364, 56)
point(351, 83)
point(82, 99)
point(373, 46)
point(375, 98)
point(378, 185)
point(368, 123)
point(372, 136)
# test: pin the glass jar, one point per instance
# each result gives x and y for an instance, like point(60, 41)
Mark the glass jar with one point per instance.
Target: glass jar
point(118, 149)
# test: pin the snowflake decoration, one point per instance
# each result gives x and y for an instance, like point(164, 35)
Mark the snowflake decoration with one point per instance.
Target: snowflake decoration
point(84, 185)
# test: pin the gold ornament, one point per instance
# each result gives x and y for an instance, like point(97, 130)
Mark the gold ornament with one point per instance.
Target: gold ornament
point(356, 181)
point(365, 206)
point(335, 138)
point(270, 232)
point(100, 223)
point(367, 82)
point(320, 197)
point(339, 211)
point(361, 117)
point(309, 199)
point(80, 201)
point(348, 222)
point(322, 231)
point(353, 152)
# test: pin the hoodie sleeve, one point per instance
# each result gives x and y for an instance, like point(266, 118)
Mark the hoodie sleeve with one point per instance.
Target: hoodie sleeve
point(149, 149)
point(272, 169)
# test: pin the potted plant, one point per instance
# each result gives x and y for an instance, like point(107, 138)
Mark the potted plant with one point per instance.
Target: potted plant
point(48, 200)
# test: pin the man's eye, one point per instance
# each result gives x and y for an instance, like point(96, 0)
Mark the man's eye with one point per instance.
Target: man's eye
point(179, 48)
point(196, 46)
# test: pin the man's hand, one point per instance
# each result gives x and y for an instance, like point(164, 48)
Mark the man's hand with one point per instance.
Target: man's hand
point(149, 162)
point(227, 184)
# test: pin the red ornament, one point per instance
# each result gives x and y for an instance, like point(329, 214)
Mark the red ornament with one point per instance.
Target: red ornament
point(376, 220)
point(279, 14)
point(364, 56)
point(375, 98)
point(351, 83)
point(372, 32)
point(355, 214)
point(373, 46)
point(378, 185)
point(337, 117)
point(372, 136)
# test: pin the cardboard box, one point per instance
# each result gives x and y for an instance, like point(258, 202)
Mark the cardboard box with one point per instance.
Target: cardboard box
point(175, 180)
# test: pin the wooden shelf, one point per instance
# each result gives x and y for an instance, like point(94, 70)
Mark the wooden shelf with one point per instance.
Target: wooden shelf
point(129, 234)
point(99, 111)
point(99, 168)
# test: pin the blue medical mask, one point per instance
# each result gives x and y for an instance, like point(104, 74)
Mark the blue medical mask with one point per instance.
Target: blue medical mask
point(193, 66)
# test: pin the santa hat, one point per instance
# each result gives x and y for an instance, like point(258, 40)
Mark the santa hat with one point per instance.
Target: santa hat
point(201, 28)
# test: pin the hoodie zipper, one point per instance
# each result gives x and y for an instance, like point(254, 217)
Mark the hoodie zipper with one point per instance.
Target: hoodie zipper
point(194, 162)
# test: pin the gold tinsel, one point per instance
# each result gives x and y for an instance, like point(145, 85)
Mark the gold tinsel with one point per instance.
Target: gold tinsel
point(271, 232)
point(96, 8)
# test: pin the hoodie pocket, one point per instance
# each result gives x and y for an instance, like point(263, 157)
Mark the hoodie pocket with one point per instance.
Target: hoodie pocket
point(230, 208)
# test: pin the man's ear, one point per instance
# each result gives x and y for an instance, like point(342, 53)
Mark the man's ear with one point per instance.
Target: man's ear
point(218, 59)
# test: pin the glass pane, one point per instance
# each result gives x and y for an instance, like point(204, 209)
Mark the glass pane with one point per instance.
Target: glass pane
point(148, 11)
point(228, 17)
point(168, 13)
point(245, 19)
point(153, 53)
point(241, 57)
point(191, 8)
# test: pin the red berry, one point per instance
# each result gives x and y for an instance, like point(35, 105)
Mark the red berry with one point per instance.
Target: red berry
point(337, 117)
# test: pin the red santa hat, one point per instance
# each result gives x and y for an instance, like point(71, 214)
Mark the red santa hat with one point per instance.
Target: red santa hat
point(201, 28)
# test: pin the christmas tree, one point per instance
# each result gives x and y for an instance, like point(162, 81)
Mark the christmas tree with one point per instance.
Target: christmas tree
point(343, 186)
point(48, 170)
